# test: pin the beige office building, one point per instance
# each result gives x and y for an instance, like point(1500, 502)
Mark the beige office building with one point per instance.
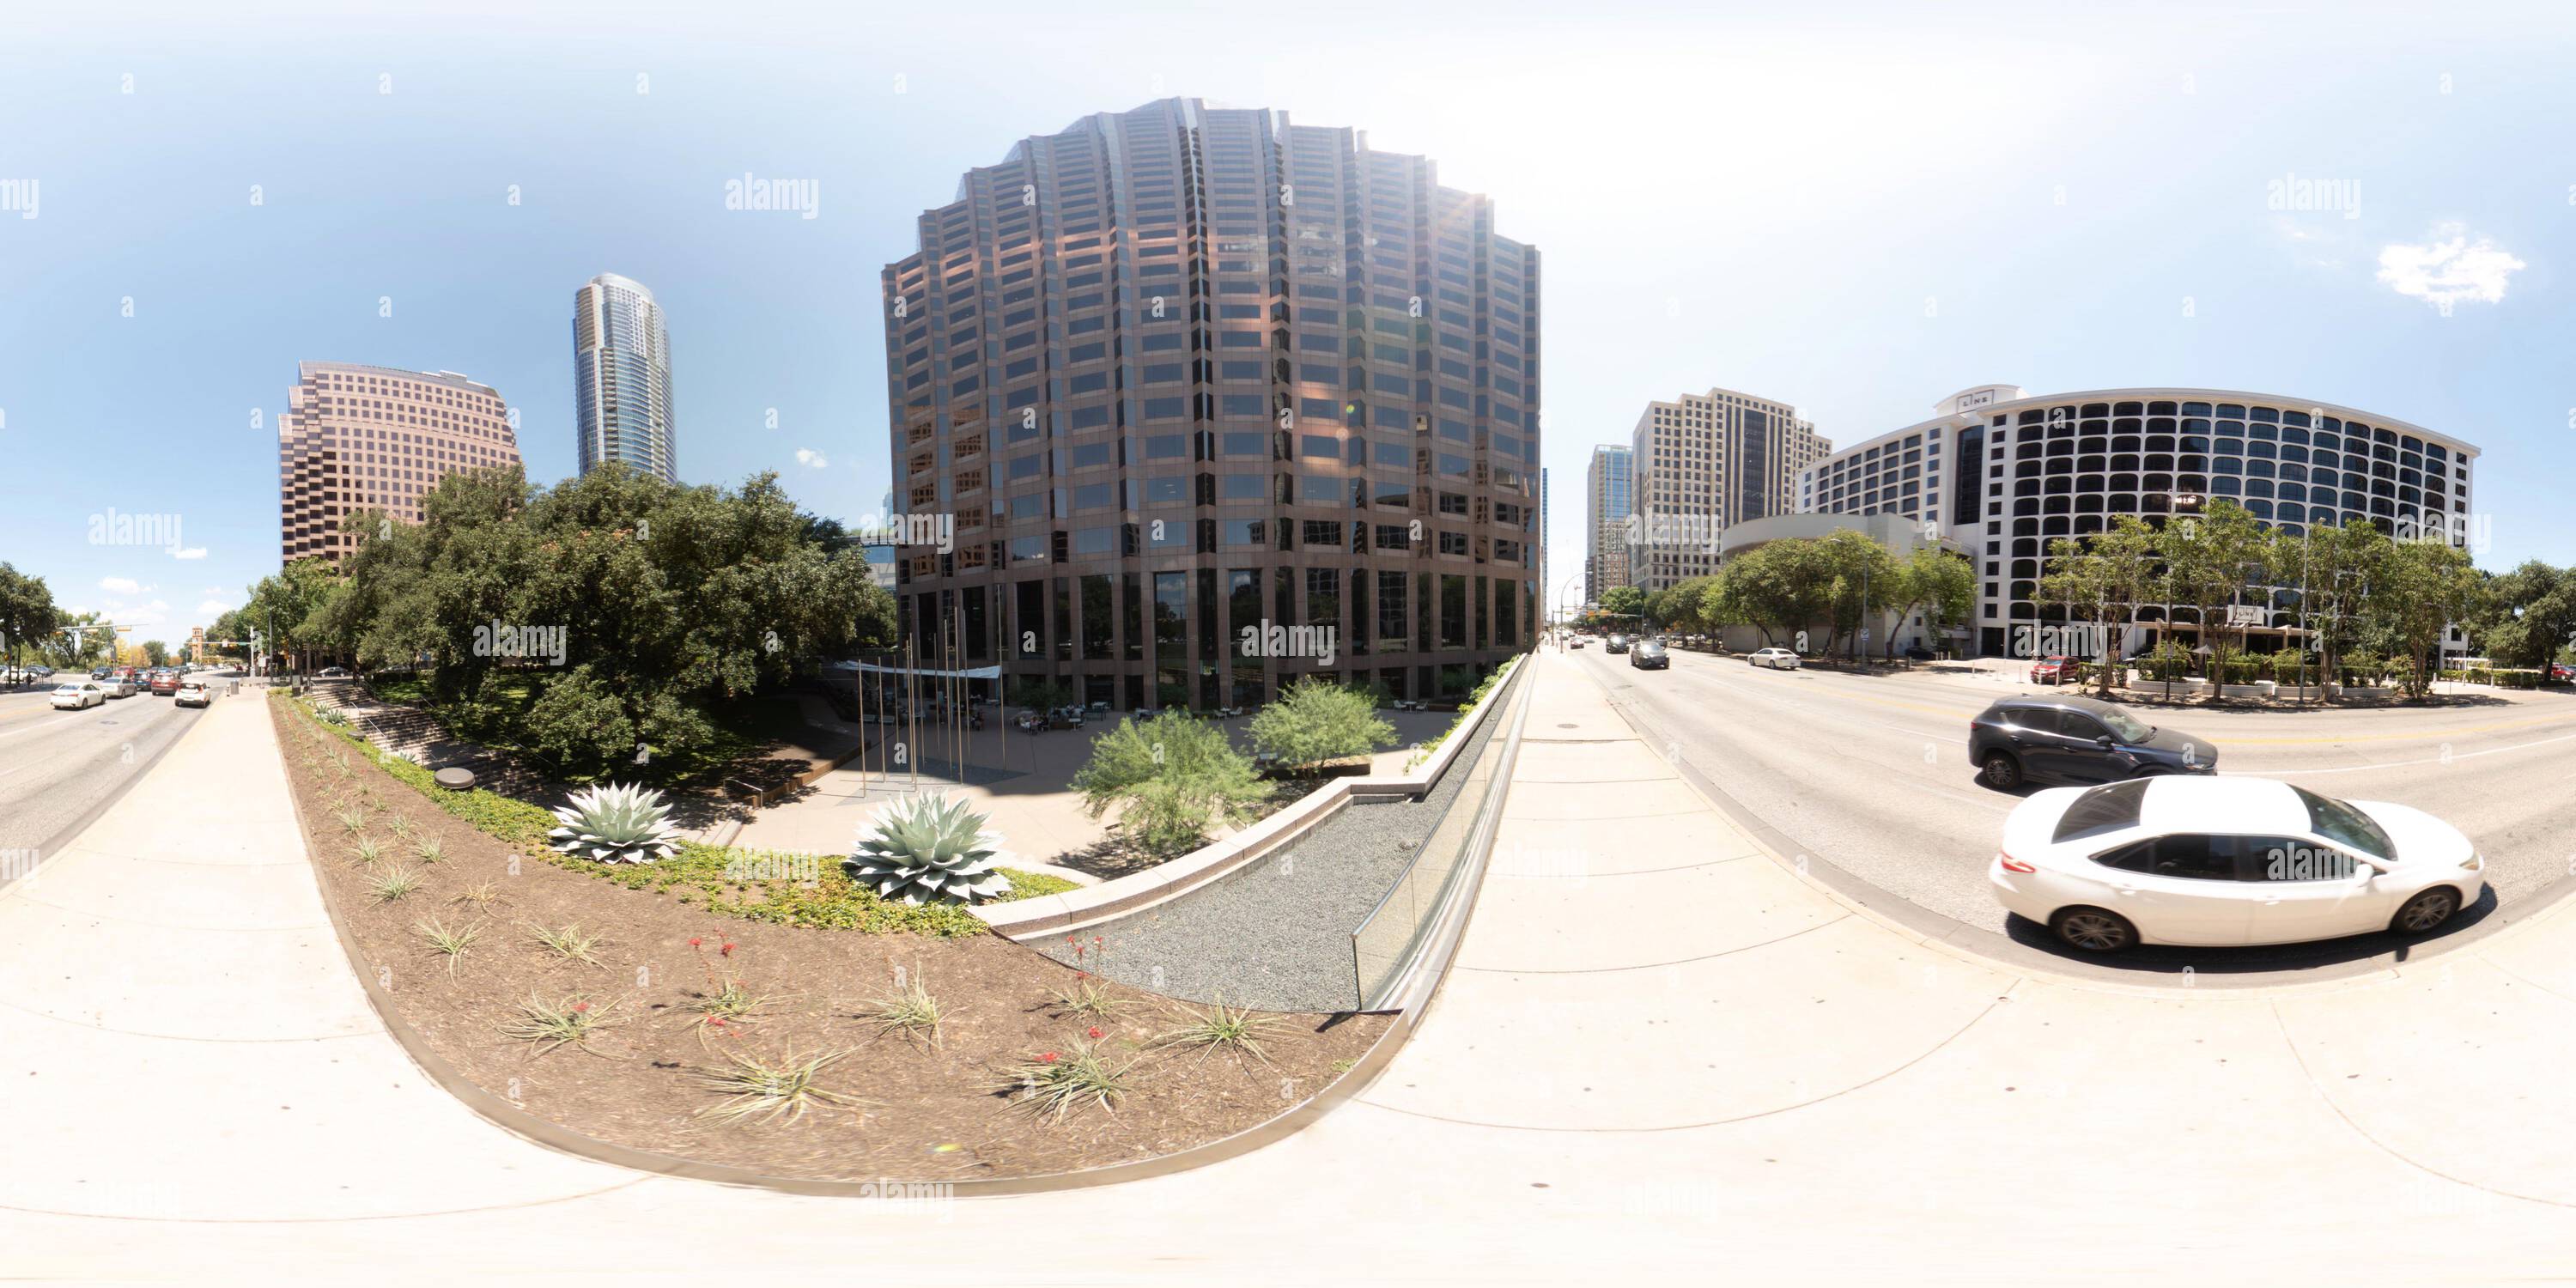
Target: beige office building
point(356, 437)
point(1701, 463)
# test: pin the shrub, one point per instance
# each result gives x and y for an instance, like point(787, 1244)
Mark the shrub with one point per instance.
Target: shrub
point(614, 824)
point(928, 849)
point(1318, 720)
point(1053, 1083)
point(1172, 777)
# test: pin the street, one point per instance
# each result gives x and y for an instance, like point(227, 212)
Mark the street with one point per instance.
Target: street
point(59, 768)
point(1870, 774)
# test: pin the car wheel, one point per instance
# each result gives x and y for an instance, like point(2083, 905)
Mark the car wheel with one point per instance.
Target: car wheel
point(2091, 930)
point(2426, 911)
point(2002, 772)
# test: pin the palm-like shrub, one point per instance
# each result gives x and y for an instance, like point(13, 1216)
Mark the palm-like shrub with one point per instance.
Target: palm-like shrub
point(615, 824)
point(928, 849)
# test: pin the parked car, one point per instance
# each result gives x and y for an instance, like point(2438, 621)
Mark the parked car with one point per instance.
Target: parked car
point(1648, 655)
point(2051, 670)
point(164, 683)
point(2223, 861)
point(1775, 658)
point(332, 673)
point(192, 694)
point(1617, 644)
point(2071, 739)
point(101, 672)
point(2562, 672)
point(1917, 653)
point(79, 695)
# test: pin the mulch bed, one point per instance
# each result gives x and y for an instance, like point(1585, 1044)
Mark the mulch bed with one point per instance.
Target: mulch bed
point(930, 1112)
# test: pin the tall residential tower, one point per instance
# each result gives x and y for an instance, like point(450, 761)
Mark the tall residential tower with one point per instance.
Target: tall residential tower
point(621, 376)
point(1187, 392)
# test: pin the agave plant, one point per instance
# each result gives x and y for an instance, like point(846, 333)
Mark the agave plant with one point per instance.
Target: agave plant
point(929, 849)
point(616, 824)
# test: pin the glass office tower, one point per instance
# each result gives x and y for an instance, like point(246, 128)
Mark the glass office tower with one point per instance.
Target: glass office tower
point(621, 368)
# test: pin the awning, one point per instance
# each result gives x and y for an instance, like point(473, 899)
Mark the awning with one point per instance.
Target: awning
point(965, 673)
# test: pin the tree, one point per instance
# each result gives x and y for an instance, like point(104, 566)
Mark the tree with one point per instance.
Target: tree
point(80, 650)
point(1938, 582)
point(1318, 720)
point(2531, 615)
point(1865, 580)
point(155, 653)
point(1171, 778)
point(2425, 587)
point(1623, 601)
point(1780, 586)
point(27, 612)
point(2211, 557)
point(2101, 579)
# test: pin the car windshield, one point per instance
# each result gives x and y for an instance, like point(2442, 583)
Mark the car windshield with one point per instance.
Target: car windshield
point(2125, 727)
point(2342, 824)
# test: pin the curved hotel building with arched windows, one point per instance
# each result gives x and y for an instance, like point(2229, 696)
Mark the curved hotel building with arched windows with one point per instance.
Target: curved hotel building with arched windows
point(2000, 473)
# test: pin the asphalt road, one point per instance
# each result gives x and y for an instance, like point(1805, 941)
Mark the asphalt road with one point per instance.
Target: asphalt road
point(1871, 774)
point(58, 769)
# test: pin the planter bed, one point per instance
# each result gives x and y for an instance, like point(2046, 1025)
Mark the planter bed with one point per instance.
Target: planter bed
point(915, 1109)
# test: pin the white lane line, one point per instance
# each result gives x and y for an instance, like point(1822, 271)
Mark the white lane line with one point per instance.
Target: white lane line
point(2428, 760)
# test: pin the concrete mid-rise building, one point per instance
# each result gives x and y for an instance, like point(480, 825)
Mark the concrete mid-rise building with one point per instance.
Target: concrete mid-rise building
point(621, 378)
point(356, 437)
point(1189, 402)
point(1702, 463)
point(2000, 473)
point(1607, 505)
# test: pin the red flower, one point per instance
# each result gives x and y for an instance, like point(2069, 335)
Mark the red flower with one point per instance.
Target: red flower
point(1048, 1057)
point(580, 1006)
point(695, 942)
point(1095, 1030)
point(727, 950)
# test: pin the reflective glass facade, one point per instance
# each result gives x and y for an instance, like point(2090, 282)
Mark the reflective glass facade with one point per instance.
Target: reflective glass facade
point(621, 367)
point(1192, 371)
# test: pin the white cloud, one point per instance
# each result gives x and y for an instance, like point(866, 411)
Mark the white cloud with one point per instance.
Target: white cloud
point(192, 552)
point(214, 607)
point(810, 458)
point(2449, 267)
point(120, 585)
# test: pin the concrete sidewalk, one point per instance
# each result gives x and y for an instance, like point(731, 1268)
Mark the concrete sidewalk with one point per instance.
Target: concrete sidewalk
point(1662, 1052)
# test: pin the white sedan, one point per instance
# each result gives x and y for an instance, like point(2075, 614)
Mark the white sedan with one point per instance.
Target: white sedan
point(79, 695)
point(2226, 861)
point(1779, 658)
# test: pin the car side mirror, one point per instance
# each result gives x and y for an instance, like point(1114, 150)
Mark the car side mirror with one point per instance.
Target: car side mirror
point(2103, 742)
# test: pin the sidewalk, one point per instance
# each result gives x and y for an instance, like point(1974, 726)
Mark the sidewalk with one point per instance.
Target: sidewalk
point(1661, 1052)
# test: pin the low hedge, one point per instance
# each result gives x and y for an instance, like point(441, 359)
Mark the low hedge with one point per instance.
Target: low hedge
point(724, 879)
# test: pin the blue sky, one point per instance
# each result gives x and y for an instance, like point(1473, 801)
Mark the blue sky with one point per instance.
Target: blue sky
point(1857, 213)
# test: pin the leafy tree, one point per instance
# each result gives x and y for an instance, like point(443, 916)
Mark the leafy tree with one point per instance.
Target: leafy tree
point(27, 612)
point(2102, 579)
point(1171, 778)
point(2210, 558)
point(1937, 582)
point(82, 650)
point(1780, 586)
point(1865, 580)
point(2531, 615)
point(1318, 720)
point(155, 653)
point(1623, 601)
point(2425, 586)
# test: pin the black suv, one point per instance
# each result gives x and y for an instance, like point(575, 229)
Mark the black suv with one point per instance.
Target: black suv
point(2077, 740)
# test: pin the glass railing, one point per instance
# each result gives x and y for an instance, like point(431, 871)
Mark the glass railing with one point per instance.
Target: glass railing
point(1393, 934)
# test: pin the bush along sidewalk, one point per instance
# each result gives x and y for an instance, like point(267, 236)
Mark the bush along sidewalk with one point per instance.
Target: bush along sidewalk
point(1465, 713)
point(759, 885)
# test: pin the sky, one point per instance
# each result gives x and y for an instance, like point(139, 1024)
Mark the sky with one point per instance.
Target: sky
point(1856, 211)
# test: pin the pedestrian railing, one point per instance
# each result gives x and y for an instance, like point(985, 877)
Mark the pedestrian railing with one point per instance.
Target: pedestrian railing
point(1400, 946)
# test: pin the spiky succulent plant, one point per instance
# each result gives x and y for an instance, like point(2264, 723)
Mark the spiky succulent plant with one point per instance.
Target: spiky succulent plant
point(616, 824)
point(928, 849)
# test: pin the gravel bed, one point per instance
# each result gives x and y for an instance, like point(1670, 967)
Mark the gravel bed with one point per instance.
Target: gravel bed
point(1275, 934)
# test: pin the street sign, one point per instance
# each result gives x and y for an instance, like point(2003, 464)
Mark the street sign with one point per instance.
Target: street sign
point(2246, 615)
